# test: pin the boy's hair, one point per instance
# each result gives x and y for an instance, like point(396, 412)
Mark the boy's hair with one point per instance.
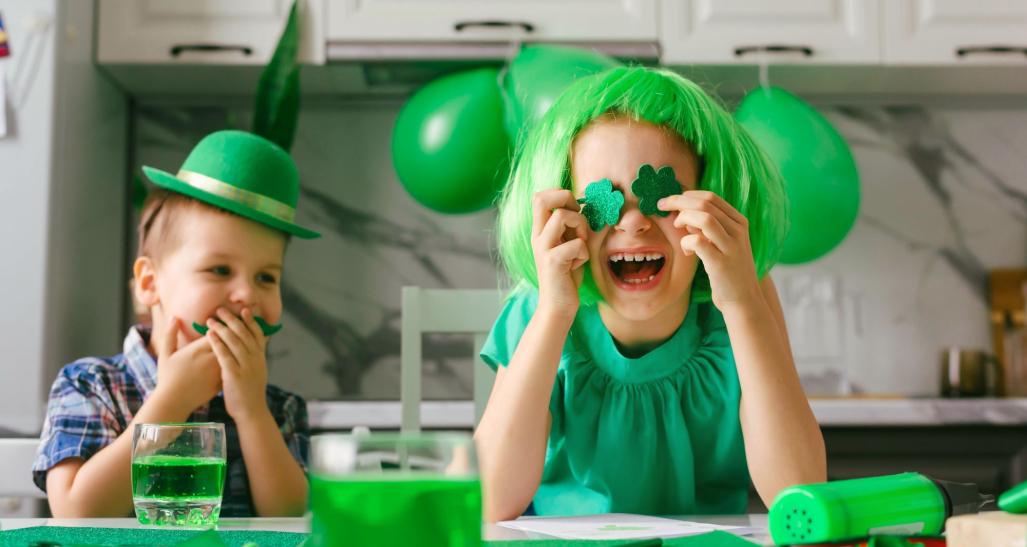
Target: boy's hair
point(731, 164)
point(160, 219)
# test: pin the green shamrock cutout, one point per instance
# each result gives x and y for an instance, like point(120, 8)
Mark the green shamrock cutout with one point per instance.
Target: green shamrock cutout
point(602, 204)
point(651, 186)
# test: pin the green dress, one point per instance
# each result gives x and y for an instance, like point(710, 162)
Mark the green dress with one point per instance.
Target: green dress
point(656, 435)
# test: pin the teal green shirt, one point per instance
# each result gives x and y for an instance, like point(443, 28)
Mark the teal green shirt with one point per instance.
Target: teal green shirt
point(655, 435)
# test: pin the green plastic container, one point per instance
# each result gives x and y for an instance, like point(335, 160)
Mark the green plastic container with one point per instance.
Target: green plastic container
point(1014, 500)
point(904, 504)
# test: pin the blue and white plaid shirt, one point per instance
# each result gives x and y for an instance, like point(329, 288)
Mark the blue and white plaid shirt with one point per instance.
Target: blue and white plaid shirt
point(93, 400)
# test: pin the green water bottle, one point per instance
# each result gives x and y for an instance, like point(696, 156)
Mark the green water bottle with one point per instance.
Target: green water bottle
point(903, 504)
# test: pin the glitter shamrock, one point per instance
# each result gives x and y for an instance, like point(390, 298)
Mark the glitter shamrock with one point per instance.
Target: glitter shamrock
point(602, 204)
point(651, 186)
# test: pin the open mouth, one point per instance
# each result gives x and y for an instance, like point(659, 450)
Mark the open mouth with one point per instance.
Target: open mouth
point(636, 270)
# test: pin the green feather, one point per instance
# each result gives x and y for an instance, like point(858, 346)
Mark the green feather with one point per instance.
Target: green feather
point(277, 104)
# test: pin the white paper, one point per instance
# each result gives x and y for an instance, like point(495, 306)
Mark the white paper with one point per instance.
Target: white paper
point(614, 526)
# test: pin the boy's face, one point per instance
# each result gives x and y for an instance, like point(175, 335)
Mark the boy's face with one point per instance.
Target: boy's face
point(659, 275)
point(222, 260)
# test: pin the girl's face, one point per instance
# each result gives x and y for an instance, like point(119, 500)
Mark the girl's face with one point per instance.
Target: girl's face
point(637, 264)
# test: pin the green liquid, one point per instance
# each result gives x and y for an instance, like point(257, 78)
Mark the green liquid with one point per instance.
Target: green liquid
point(399, 510)
point(177, 490)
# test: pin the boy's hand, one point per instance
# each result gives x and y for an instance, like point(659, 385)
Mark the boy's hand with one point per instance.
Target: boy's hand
point(188, 375)
point(719, 235)
point(558, 236)
point(239, 346)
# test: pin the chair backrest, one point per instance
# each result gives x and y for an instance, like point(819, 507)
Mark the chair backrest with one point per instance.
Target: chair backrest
point(16, 456)
point(469, 311)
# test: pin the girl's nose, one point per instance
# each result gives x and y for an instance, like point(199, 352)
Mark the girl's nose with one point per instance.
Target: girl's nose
point(633, 222)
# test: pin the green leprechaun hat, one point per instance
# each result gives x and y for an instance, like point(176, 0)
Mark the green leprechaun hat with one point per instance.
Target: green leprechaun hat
point(242, 173)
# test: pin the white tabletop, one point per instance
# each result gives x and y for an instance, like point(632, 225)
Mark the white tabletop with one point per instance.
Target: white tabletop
point(489, 531)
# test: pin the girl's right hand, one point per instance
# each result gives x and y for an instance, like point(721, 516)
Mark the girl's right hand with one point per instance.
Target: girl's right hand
point(558, 236)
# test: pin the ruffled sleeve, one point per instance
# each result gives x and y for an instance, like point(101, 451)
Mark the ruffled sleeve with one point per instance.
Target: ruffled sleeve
point(509, 327)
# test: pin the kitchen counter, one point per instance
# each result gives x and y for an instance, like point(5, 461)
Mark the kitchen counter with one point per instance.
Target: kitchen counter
point(842, 412)
point(919, 412)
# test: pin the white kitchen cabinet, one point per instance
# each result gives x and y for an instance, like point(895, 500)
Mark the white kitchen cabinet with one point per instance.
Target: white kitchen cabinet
point(235, 32)
point(948, 32)
point(794, 31)
point(491, 20)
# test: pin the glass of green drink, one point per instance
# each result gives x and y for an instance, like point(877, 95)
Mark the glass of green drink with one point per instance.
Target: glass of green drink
point(178, 474)
point(395, 489)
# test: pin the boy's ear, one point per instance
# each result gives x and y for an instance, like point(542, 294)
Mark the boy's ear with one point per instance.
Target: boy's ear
point(144, 272)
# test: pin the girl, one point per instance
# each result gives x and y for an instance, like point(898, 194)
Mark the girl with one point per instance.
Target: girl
point(642, 362)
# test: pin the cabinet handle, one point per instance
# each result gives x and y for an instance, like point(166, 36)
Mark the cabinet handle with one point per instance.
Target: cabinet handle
point(177, 49)
point(464, 25)
point(971, 50)
point(774, 48)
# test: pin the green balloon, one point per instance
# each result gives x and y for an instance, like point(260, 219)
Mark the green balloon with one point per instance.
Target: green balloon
point(449, 147)
point(820, 175)
point(537, 76)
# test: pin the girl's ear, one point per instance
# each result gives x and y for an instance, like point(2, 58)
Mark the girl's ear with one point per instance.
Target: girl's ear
point(144, 273)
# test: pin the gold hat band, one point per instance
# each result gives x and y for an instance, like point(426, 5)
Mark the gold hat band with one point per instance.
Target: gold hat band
point(253, 200)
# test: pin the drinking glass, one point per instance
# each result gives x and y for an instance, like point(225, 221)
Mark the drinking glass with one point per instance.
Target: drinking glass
point(395, 489)
point(178, 474)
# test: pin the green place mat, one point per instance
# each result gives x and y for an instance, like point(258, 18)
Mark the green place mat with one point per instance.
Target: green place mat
point(67, 536)
point(709, 539)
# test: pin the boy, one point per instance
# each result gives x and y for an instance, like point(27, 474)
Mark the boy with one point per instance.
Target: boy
point(211, 244)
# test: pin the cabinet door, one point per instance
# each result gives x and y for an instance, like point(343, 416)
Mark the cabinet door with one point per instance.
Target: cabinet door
point(491, 20)
point(237, 32)
point(796, 31)
point(955, 31)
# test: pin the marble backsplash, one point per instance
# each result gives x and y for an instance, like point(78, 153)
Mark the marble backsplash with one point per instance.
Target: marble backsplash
point(944, 201)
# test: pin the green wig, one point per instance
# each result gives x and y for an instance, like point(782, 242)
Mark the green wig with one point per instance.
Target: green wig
point(731, 164)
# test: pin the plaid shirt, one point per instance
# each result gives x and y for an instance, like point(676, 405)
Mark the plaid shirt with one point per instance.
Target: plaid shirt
point(93, 400)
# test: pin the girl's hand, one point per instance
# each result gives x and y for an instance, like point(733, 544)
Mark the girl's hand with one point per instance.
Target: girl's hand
point(719, 235)
point(239, 346)
point(558, 235)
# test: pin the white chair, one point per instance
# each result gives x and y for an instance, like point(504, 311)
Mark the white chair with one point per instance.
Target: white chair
point(17, 455)
point(443, 311)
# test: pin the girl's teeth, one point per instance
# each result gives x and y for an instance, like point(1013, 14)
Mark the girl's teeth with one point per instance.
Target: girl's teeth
point(633, 257)
point(640, 281)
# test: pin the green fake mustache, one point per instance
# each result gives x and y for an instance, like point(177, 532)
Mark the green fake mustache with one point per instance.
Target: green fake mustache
point(266, 328)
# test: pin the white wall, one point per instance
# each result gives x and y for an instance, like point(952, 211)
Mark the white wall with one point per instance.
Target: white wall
point(25, 185)
point(63, 194)
point(944, 200)
point(88, 200)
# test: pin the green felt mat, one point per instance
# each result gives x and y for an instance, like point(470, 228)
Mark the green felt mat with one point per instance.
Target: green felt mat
point(54, 536)
point(67, 536)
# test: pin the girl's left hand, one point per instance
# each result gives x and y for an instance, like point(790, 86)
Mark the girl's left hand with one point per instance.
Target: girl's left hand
point(719, 235)
point(239, 346)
